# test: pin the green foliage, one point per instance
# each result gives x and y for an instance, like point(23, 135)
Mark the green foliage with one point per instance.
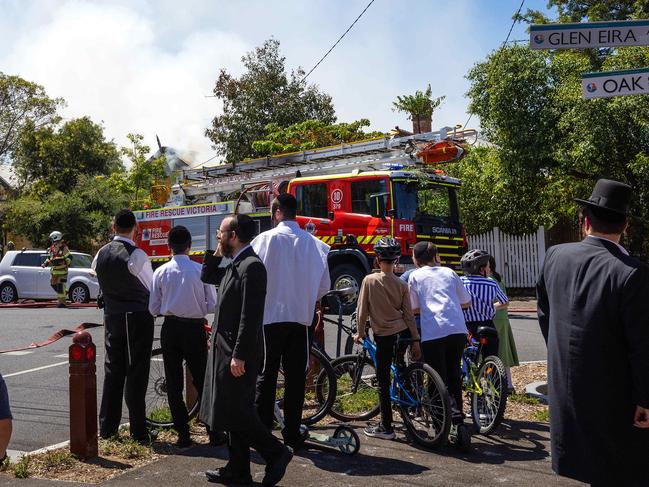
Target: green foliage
point(123, 446)
point(137, 182)
point(524, 399)
point(421, 104)
point(263, 94)
point(23, 103)
point(592, 10)
point(549, 145)
point(83, 214)
point(311, 134)
point(542, 415)
point(53, 159)
point(21, 469)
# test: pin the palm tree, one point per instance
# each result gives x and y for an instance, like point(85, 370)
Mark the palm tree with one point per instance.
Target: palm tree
point(420, 107)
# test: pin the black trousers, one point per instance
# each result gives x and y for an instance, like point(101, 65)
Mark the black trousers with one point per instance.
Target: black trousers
point(128, 338)
point(385, 351)
point(491, 348)
point(444, 355)
point(182, 339)
point(286, 345)
point(259, 437)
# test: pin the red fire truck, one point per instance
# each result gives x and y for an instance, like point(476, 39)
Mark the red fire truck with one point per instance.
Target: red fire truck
point(348, 196)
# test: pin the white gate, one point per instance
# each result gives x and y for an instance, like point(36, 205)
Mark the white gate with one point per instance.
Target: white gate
point(518, 258)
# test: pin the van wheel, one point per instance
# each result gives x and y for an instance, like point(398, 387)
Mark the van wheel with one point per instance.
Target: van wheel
point(344, 276)
point(8, 293)
point(79, 293)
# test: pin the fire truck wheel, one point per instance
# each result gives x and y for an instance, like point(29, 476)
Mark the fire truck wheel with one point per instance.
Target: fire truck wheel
point(344, 276)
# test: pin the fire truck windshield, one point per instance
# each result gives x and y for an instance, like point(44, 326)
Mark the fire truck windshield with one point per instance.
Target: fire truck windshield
point(414, 199)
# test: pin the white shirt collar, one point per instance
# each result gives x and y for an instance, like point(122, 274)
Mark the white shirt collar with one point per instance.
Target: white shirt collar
point(124, 239)
point(289, 223)
point(624, 251)
point(234, 257)
point(180, 257)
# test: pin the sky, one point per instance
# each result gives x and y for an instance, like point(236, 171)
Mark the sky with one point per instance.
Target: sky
point(149, 66)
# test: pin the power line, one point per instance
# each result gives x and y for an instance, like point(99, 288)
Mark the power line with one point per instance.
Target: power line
point(514, 19)
point(336, 43)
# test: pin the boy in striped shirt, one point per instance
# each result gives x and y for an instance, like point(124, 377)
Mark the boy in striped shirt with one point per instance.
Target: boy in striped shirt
point(486, 296)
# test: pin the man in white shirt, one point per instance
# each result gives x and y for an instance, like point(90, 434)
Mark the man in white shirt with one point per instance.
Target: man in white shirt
point(124, 274)
point(298, 277)
point(181, 297)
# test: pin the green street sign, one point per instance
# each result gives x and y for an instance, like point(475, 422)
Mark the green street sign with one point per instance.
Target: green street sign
point(591, 34)
point(615, 83)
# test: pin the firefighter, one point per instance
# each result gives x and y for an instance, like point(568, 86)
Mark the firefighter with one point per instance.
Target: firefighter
point(58, 259)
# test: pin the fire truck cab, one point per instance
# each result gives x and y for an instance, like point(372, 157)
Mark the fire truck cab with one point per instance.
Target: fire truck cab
point(350, 212)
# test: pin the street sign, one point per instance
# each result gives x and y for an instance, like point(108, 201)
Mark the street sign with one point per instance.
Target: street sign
point(615, 83)
point(592, 34)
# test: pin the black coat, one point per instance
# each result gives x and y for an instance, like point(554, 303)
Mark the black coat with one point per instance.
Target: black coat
point(228, 401)
point(593, 311)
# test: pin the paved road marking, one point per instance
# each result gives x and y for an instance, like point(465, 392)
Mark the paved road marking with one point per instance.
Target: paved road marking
point(19, 352)
point(34, 370)
point(63, 355)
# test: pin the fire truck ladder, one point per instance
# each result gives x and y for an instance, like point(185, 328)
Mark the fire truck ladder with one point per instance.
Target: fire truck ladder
point(328, 160)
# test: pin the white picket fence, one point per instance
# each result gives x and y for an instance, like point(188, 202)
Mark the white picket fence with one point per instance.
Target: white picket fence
point(518, 257)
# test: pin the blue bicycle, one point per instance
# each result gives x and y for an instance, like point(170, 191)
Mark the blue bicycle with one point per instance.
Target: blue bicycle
point(417, 391)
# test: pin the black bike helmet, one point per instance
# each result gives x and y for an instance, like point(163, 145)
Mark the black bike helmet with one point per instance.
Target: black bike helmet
point(473, 260)
point(387, 248)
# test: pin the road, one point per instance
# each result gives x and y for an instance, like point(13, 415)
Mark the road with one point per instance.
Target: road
point(38, 379)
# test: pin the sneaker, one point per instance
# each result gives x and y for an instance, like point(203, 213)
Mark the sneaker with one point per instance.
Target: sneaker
point(380, 432)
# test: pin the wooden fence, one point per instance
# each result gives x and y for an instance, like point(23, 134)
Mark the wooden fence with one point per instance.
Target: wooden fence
point(518, 257)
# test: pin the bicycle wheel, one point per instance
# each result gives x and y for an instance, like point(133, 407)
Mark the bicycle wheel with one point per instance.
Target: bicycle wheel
point(158, 414)
point(357, 389)
point(429, 420)
point(320, 388)
point(488, 405)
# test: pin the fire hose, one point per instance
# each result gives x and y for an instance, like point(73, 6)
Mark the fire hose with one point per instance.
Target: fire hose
point(57, 336)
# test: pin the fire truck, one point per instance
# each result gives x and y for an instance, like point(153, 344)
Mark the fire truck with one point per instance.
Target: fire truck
point(348, 196)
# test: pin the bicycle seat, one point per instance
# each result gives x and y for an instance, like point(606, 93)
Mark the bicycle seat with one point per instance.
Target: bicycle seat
point(342, 294)
point(486, 332)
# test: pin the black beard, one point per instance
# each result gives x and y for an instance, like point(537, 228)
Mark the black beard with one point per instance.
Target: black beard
point(227, 249)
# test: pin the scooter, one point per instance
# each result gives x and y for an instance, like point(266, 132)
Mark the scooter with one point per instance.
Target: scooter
point(344, 437)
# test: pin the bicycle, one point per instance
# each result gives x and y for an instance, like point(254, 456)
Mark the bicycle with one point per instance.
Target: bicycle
point(484, 381)
point(416, 389)
point(320, 390)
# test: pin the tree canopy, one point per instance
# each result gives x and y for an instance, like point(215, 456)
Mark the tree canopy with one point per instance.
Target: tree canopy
point(262, 95)
point(53, 158)
point(311, 134)
point(21, 103)
point(550, 145)
point(421, 104)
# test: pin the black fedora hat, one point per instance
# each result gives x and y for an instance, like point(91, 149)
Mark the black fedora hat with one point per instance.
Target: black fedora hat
point(609, 195)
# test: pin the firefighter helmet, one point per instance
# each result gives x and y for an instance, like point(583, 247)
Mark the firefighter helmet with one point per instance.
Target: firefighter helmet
point(473, 260)
point(56, 236)
point(387, 248)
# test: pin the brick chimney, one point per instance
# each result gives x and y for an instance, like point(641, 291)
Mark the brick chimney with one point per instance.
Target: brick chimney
point(422, 123)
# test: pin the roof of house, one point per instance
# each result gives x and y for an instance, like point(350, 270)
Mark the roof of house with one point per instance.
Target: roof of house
point(7, 176)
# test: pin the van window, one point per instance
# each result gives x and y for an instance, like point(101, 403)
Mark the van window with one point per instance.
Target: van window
point(29, 259)
point(312, 200)
point(83, 261)
point(361, 191)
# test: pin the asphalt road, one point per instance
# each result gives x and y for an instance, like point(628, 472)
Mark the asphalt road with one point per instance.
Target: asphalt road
point(38, 380)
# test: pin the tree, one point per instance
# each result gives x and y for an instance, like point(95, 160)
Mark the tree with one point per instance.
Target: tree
point(53, 158)
point(311, 134)
point(83, 214)
point(137, 182)
point(591, 10)
point(419, 107)
point(553, 143)
point(263, 94)
point(21, 103)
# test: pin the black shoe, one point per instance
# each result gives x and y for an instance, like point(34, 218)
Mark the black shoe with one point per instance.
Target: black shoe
point(224, 476)
point(184, 440)
point(217, 438)
point(61, 305)
point(275, 470)
point(298, 443)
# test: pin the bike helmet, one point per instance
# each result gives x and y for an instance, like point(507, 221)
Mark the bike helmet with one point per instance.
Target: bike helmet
point(387, 248)
point(56, 236)
point(473, 260)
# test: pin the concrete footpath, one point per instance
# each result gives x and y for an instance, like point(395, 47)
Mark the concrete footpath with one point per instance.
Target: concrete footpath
point(518, 455)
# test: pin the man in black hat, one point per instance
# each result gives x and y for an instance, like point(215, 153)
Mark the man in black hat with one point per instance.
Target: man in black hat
point(592, 312)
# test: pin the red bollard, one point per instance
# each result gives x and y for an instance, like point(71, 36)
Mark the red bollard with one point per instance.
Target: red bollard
point(83, 396)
